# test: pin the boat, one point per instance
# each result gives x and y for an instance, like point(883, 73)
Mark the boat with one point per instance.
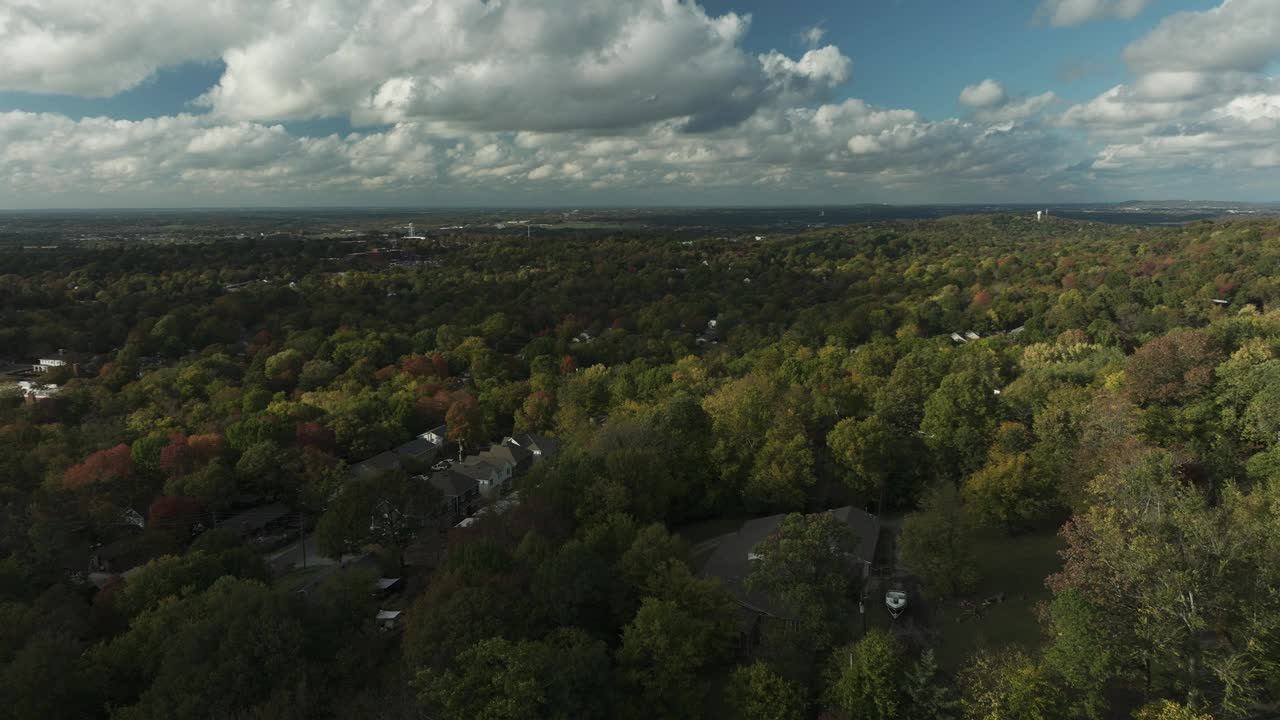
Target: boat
point(896, 601)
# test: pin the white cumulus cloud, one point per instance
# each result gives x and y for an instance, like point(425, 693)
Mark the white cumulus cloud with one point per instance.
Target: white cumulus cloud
point(1065, 13)
point(985, 94)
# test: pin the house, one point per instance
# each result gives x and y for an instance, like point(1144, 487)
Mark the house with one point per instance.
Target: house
point(380, 463)
point(123, 556)
point(460, 493)
point(971, 335)
point(732, 560)
point(134, 517)
point(438, 436)
point(417, 454)
point(541, 446)
point(515, 456)
point(490, 477)
point(61, 360)
point(383, 587)
point(388, 619)
point(254, 521)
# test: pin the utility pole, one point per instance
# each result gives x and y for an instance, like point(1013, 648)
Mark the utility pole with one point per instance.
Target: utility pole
point(302, 530)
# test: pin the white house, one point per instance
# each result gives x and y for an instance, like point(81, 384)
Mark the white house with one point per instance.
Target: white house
point(47, 364)
point(437, 436)
point(492, 476)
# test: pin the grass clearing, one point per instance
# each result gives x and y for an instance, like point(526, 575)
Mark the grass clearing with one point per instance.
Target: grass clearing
point(1015, 566)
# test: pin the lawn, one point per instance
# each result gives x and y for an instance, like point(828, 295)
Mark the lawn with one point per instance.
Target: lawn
point(1015, 566)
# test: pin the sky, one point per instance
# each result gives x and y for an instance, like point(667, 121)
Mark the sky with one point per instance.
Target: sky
point(224, 103)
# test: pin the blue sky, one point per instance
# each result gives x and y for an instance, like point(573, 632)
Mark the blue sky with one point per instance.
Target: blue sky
point(637, 102)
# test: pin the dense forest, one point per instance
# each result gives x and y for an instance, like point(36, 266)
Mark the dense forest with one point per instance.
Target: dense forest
point(1104, 400)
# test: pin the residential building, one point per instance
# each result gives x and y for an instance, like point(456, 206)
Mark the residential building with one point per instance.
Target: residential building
point(417, 454)
point(541, 446)
point(438, 436)
point(380, 463)
point(491, 477)
point(255, 520)
point(460, 494)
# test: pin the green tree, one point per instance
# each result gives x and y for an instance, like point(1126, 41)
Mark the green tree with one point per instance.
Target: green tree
point(212, 654)
point(495, 679)
point(47, 679)
point(868, 450)
point(807, 565)
point(756, 692)
point(664, 650)
point(865, 680)
point(783, 469)
point(1009, 685)
point(174, 576)
point(937, 543)
point(959, 418)
point(1008, 492)
point(927, 696)
point(1081, 650)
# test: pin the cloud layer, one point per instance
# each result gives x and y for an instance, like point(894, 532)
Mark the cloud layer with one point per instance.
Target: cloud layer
point(1064, 13)
point(499, 96)
point(1201, 101)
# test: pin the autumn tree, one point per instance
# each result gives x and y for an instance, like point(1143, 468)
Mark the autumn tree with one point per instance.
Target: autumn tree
point(464, 422)
point(1171, 367)
point(1009, 685)
point(1008, 492)
point(100, 468)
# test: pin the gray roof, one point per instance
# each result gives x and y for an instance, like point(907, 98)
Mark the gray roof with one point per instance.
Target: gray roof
point(450, 483)
point(535, 443)
point(378, 463)
point(511, 454)
point(474, 467)
point(416, 449)
point(731, 564)
point(255, 519)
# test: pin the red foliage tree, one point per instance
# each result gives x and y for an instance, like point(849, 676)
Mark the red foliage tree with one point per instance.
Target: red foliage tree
point(175, 458)
point(207, 446)
point(982, 298)
point(1173, 367)
point(313, 435)
point(173, 514)
point(439, 365)
point(568, 365)
point(417, 366)
point(464, 421)
point(101, 467)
